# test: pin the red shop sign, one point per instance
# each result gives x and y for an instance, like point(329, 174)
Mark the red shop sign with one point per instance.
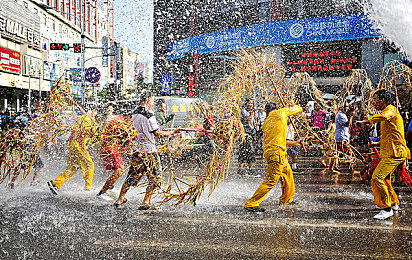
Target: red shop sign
point(10, 60)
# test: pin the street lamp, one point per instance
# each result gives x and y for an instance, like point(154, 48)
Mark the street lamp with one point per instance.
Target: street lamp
point(83, 36)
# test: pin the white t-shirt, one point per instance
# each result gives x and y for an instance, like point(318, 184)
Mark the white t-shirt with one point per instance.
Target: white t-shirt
point(290, 133)
point(145, 123)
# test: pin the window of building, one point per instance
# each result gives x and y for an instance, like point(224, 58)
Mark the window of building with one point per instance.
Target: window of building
point(63, 8)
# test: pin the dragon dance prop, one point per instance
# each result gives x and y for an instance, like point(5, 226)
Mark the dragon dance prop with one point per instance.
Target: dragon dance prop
point(396, 77)
point(186, 167)
point(20, 148)
point(257, 78)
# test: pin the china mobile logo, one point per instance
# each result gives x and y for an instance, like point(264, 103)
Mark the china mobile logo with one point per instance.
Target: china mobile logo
point(210, 42)
point(296, 30)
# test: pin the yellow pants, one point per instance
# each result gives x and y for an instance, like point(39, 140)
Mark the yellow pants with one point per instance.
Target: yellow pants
point(384, 195)
point(278, 168)
point(77, 157)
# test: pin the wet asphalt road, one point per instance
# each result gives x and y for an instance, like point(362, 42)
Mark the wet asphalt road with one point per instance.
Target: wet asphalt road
point(333, 220)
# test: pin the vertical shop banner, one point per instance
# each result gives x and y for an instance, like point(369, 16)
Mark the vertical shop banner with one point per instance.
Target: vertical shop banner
point(10, 60)
point(165, 82)
point(105, 52)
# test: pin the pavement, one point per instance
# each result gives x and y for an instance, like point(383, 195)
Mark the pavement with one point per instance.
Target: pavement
point(332, 220)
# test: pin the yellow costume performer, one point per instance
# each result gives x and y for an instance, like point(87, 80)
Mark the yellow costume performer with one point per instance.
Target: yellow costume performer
point(274, 151)
point(78, 156)
point(393, 151)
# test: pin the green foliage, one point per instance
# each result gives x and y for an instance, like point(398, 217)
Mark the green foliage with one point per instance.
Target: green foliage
point(105, 95)
point(8, 93)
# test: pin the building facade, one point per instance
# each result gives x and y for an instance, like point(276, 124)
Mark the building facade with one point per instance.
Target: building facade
point(21, 53)
point(28, 66)
point(197, 41)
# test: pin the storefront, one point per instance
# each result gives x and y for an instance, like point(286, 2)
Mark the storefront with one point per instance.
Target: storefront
point(21, 63)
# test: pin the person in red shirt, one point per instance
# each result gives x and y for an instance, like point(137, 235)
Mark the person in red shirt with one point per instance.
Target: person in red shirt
point(112, 159)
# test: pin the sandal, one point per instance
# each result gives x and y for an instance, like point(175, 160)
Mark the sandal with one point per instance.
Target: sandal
point(322, 162)
point(144, 207)
point(119, 204)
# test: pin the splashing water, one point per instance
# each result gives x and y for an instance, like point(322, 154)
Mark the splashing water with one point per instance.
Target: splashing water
point(394, 19)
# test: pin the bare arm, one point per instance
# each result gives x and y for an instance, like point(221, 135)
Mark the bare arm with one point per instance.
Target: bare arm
point(163, 133)
point(249, 119)
point(294, 143)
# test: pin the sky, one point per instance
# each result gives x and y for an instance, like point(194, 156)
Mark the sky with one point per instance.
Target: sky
point(134, 26)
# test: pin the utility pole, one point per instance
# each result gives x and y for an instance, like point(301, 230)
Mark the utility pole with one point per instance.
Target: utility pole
point(83, 52)
point(40, 70)
point(29, 98)
point(115, 50)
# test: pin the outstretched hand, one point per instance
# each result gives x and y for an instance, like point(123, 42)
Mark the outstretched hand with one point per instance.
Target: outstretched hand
point(360, 123)
point(176, 131)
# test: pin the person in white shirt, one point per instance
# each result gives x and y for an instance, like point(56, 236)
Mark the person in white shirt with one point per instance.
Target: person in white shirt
point(144, 157)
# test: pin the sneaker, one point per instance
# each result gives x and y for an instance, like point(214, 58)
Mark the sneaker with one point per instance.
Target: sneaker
point(241, 171)
point(52, 187)
point(395, 207)
point(294, 167)
point(255, 209)
point(251, 172)
point(322, 162)
point(104, 196)
point(384, 214)
point(293, 203)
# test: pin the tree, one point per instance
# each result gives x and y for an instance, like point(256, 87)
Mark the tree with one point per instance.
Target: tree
point(8, 93)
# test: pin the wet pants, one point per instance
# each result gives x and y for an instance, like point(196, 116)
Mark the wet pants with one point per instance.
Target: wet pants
point(384, 195)
point(77, 157)
point(278, 168)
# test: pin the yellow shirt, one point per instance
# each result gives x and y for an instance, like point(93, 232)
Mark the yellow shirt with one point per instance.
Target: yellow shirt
point(331, 134)
point(81, 132)
point(275, 127)
point(393, 142)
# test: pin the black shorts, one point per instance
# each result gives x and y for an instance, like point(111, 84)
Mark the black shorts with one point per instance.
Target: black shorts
point(142, 166)
point(38, 163)
point(247, 151)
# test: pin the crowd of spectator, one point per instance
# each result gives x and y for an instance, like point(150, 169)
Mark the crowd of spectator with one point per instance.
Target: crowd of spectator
point(11, 119)
point(337, 125)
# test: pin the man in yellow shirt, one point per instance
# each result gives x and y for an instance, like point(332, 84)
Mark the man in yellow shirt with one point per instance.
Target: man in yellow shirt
point(393, 152)
point(78, 156)
point(274, 150)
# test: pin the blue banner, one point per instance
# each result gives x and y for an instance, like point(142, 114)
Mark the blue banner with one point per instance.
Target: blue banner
point(333, 28)
point(165, 83)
